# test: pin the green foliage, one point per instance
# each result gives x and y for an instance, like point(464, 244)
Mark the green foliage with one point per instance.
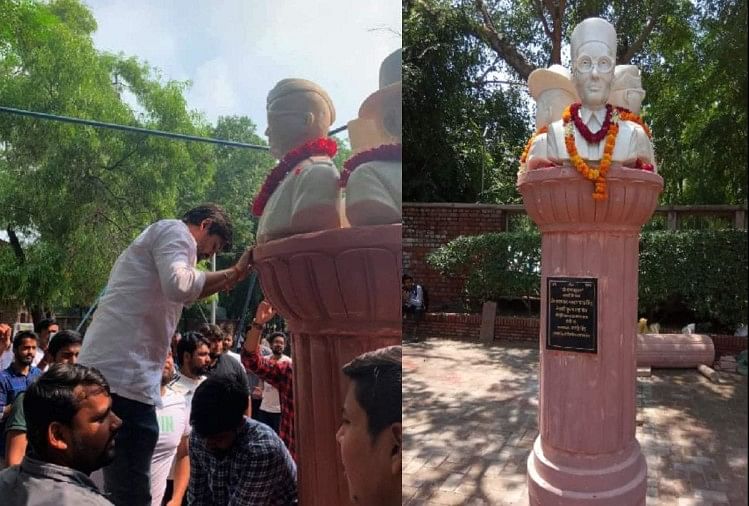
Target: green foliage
point(696, 83)
point(495, 265)
point(463, 137)
point(704, 270)
point(79, 194)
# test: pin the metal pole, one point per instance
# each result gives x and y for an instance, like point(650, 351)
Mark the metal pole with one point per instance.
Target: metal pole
point(214, 299)
point(240, 327)
point(147, 131)
point(91, 309)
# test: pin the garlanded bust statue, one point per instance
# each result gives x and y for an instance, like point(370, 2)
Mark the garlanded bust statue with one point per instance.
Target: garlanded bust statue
point(592, 133)
point(301, 193)
point(553, 91)
point(372, 176)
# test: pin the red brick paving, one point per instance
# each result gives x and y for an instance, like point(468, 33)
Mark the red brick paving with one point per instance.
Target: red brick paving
point(469, 415)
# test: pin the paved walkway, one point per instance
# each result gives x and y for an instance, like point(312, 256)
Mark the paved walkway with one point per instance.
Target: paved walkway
point(469, 414)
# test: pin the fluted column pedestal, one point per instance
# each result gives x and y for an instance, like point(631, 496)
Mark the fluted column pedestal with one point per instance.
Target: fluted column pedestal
point(339, 291)
point(586, 452)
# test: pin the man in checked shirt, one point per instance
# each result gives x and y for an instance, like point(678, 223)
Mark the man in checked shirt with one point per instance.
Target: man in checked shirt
point(276, 373)
point(235, 460)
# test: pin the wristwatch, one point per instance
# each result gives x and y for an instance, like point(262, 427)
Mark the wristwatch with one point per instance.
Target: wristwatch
point(256, 325)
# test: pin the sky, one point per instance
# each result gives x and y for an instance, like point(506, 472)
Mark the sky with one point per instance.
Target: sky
point(235, 51)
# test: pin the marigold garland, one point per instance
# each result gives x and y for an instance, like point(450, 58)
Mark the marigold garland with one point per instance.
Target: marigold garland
point(384, 152)
point(530, 142)
point(323, 146)
point(610, 130)
point(628, 115)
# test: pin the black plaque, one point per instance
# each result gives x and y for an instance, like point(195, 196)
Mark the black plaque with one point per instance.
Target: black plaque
point(571, 314)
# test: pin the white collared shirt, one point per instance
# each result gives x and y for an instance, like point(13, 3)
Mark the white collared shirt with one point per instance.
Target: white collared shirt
point(593, 119)
point(150, 283)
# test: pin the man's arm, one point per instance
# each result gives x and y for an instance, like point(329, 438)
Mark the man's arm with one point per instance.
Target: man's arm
point(4, 406)
point(15, 433)
point(15, 447)
point(181, 473)
point(226, 279)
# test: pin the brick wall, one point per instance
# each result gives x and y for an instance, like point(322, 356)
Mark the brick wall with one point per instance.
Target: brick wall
point(466, 326)
point(429, 226)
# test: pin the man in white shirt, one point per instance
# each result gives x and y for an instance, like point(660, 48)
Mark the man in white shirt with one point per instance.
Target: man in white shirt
point(129, 337)
point(270, 407)
point(174, 429)
point(45, 329)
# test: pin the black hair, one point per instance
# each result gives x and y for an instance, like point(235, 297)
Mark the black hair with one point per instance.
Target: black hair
point(405, 277)
point(211, 331)
point(188, 344)
point(44, 324)
point(62, 339)
point(218, 405)
point(275, 335)
point(377, 378)
point(52, 398)
point(220, 224)
point(21, 336)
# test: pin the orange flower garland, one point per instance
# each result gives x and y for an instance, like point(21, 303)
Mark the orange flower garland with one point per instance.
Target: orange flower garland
point(628, 115)
point(528, 145)
point(597, 175)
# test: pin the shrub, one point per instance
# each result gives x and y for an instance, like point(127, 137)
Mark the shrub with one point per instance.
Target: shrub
point(703, 270)
point(702, 273)
point(495, 265)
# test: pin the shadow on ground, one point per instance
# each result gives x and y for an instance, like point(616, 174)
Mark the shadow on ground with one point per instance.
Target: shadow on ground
point(469, 414)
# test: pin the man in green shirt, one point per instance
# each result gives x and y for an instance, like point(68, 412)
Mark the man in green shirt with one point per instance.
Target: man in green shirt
point(63, 348)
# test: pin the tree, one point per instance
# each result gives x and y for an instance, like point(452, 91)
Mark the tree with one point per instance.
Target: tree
point(693, 58)
point(461, 136)
point(77, 194)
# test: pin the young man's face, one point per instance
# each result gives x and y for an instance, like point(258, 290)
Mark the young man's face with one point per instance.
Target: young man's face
point(207, 244)
point(228, 341)
point(278, 345)
point(372, 467)
point(26, 352)
point(91, 433)
point(220, 444)
point(199, 360)
point(46, 335)
point(67, 354)
point(217, 347)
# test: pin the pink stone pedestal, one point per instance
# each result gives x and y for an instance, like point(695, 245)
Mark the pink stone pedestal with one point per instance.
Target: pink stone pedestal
point(586, 452)
point(339, 291)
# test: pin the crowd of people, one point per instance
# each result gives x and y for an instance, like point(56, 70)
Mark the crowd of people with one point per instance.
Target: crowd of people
point(175, 418)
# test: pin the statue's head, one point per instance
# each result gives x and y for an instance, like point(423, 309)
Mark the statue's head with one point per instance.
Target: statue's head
point(626, 90)
point(593, 50)
point(380, 117)
point(552, 89)
point(298, 111)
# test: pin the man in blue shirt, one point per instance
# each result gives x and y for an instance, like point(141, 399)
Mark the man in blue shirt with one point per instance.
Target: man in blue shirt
point(17, 377)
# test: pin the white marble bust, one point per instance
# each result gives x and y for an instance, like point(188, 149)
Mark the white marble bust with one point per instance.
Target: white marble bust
point(626, 90)
point(593, 51)
point(308, 198)
point(374, 191)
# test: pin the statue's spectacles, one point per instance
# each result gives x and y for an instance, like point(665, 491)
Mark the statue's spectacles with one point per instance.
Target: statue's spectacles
point(585, 64)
